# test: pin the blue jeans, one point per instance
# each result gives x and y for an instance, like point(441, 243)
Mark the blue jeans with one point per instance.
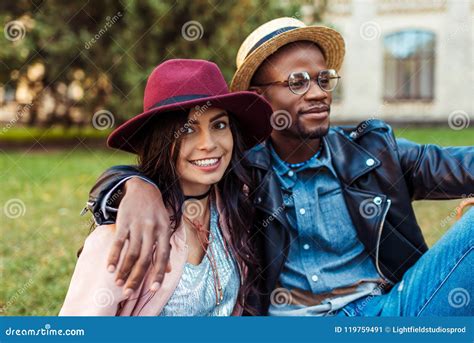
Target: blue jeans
point(439, 284)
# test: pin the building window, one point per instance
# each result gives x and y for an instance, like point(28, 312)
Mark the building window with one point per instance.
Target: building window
point(409, 59)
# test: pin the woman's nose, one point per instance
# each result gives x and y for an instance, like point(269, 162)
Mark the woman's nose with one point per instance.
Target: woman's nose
point(206, 141)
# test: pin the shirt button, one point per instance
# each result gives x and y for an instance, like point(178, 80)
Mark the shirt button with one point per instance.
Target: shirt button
point(306, 246)
point(370, 162)
point(291, 173)
point(302, 211)
point(314, 278)
point(377, 200)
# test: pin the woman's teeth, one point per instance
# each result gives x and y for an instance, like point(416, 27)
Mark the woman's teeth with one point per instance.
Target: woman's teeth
point(206, 162)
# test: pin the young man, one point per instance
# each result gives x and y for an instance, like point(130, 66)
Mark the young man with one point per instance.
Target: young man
point(335, 227)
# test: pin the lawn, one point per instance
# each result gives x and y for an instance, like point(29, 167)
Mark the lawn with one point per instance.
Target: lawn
point(38, 247)
point(31, 134)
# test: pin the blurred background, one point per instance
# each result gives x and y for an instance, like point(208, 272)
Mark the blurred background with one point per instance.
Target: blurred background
point(72, 71)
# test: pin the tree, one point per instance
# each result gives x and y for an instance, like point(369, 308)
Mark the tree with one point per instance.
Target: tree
point(98, 54)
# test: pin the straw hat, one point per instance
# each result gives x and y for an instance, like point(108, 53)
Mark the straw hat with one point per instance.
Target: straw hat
point(271, 36)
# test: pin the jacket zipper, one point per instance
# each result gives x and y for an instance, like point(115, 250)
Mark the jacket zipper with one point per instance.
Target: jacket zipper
point(377, 265)
point(86, 208)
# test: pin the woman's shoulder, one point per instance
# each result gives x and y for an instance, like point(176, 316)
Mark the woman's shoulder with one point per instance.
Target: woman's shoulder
point(100, 237)
point(103, 230)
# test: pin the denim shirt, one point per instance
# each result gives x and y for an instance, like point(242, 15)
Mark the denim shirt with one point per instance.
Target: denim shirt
point(325, 252)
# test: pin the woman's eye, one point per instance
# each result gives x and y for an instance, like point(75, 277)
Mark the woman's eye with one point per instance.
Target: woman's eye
point(188, 130)
point(220, 125)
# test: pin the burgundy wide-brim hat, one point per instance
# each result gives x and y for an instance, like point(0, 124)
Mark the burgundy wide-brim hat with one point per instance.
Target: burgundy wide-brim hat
point(181, 84)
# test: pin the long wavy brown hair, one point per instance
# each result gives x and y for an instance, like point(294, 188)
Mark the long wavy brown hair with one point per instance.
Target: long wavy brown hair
point(157, 159)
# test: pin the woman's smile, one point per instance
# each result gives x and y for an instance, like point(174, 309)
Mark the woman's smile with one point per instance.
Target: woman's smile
point(207, 164)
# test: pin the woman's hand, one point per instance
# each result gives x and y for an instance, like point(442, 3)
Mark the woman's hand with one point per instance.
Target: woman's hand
point(143, 219)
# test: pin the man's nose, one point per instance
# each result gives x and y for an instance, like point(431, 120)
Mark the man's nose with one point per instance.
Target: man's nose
point(315, 92)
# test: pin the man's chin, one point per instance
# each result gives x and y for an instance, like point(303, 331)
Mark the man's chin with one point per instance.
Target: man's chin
point(316, 132)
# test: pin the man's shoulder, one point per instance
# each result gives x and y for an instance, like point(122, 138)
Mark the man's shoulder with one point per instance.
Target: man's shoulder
point(371, 134)
point(363, 128)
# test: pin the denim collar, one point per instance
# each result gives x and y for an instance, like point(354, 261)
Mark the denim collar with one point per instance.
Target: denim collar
point(348, 159)
point(288, 176)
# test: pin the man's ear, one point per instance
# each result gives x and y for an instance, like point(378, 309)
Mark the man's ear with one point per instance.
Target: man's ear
point(258, 90)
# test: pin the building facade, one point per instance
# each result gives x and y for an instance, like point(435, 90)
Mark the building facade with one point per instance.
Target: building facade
point(406, 60)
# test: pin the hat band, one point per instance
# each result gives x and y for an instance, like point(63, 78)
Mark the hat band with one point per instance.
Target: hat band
point(270, 36)
point(177, 99)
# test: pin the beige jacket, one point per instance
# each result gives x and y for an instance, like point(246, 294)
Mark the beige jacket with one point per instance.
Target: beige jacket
point(93, 292)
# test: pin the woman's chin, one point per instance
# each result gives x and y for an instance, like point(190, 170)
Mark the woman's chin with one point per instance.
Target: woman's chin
point(204, 181)
point(209, 180)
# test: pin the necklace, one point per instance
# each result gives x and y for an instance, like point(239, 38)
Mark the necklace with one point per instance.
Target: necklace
point(198, 197)
point(300, 164)
point(210, 255)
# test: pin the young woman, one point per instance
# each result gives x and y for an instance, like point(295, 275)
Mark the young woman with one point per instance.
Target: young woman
point(190, 143)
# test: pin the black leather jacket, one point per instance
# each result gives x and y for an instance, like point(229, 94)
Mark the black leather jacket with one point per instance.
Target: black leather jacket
point(380, 177)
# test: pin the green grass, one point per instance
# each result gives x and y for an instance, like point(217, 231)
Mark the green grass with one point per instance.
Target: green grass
point(31, 134)
point(38, 249)
point(438, 135)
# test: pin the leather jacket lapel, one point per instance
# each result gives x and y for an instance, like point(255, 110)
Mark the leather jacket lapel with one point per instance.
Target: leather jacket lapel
point(349, 160)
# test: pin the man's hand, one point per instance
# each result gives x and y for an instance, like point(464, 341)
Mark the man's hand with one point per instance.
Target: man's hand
point(143, 219)
point(462, 205)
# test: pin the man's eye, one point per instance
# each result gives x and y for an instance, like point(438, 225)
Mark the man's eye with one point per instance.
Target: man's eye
point(298, 83)
point(324, 81)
